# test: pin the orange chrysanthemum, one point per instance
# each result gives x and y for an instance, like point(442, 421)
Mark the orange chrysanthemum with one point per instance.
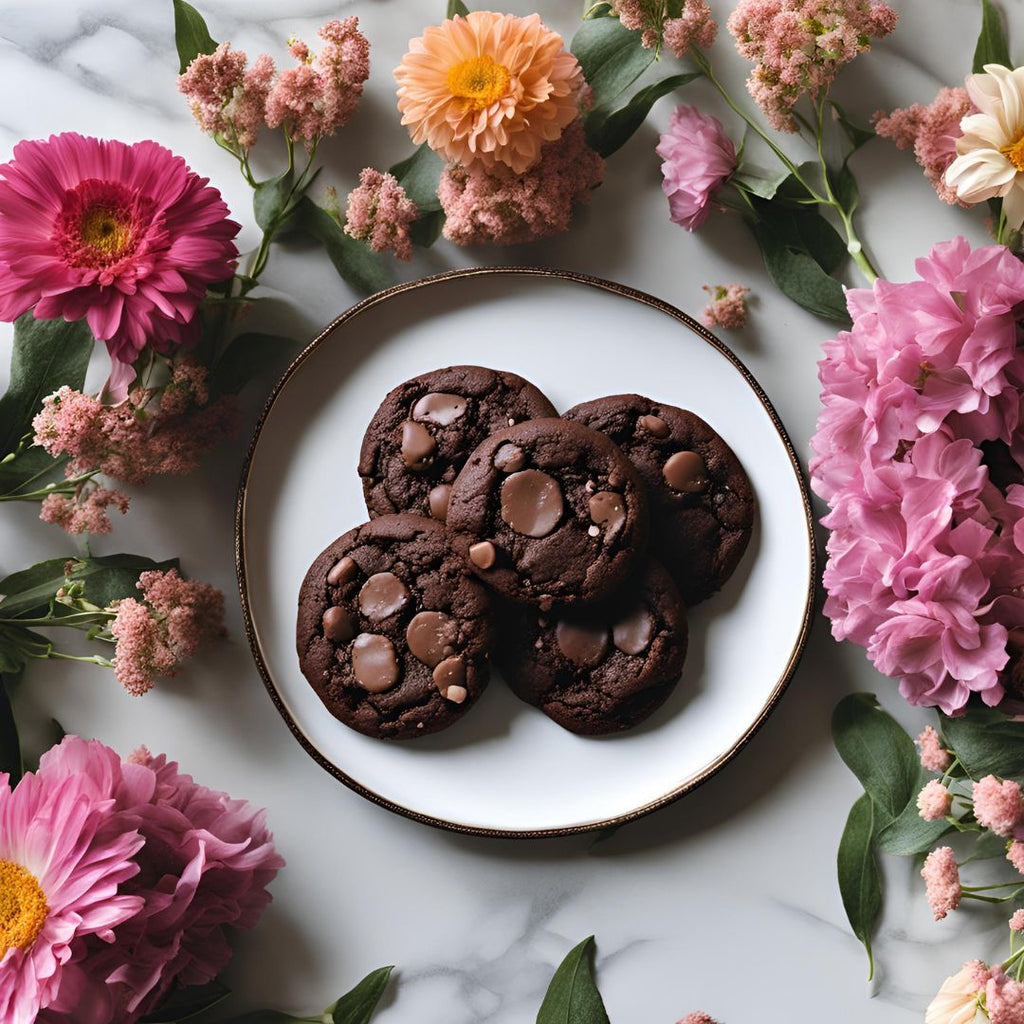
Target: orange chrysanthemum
point(488, 87)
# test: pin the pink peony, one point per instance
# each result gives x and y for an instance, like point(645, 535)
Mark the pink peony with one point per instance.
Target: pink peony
point(727, 308)
point(933, 801)
point(497, 206)
point(942, 881)
point(64, 865)
point(380, 213)
point(798, 47)
point(934, 757)
point(1004, 999)
point(698, 158)
point(125, 236)
point(998, 805)
point(932, 132)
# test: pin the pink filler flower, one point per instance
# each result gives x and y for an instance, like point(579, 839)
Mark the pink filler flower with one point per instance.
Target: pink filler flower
point(125, 236)
point(727, 306)
point(942, 881)
point(380, 214)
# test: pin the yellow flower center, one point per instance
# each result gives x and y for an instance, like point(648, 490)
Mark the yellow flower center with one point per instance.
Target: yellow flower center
point(1015, 152)
point(480, 81)
point(23, 907)
point(104, 233)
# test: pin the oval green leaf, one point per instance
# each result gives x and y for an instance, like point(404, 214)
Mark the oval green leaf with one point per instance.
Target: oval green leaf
point(859, 882)
point(572, 997)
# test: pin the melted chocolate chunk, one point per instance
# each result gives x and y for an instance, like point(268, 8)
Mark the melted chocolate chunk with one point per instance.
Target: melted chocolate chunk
point(531, 502)
point(374, 662)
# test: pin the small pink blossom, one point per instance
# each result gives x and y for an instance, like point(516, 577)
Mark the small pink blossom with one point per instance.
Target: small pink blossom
point(1015, 855)
point(85, 512)
point(932, 132)
point(934, 757)
point(693, 26)
point(933, 801)
point(998, 805)
point(698, 157)
point(380, 213)
point(1017, 921)
point(318, 97)
point(697, 1017)
point(942, 881)
point(1004, 999)
point(497, 206)
point(798, 47)
point(728, 306)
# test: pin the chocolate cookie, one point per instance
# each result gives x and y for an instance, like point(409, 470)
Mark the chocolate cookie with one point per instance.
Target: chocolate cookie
point(424, 430)
point(548, 512)
point(392, 633)
point(702, 504)
point(604, 668)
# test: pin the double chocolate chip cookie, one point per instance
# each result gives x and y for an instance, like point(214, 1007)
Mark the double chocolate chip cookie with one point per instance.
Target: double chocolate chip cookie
point(392, 633)
point(605, 668)
point(702, 504)
point(549, 512)
point(425, 429)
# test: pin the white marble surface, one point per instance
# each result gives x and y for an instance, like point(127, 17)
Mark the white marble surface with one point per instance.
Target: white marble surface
point(726, 900)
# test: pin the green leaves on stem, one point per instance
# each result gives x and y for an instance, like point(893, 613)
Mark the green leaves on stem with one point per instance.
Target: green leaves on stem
point(456, 7)
point(358, 1005)
point(986, 743)
point(992, 47)
point(572, 997)
point(420, 176)
point(860, 884)
point(191, 36)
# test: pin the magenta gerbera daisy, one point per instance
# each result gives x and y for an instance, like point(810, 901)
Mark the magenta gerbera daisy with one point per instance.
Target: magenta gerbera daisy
point(62, 860)
point(125, 236)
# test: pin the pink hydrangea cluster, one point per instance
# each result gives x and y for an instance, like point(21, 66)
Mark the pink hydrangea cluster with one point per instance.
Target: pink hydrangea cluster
point(931, 131)
point(134, 440)
point(798, 47)
point(380, 213)
point(1004, 998)
point(727, 306)
point(998, 804)
point(155, 635)
point(1015, 855)
point(141, 872)
point(693, 26)
point(321, 94)
point(1017, 921)
point(496, 205)
point(918, 453)
point(83, 512)
point(934, 756)
point(942, 881)
point(697, 1017)
point(933, 801)
point(227, 99)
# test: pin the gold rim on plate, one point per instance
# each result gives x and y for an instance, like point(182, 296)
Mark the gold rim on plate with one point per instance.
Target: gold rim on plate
point(454, 826)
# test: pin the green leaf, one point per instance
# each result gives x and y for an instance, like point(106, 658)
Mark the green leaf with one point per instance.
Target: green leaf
point(357, 1006)
point(856, 133)
point(27, 593)
point(878, 751)
point(859, 882)
point(47, 354)
point(191, 35)
point(420, 175)
point(758, 181)
point(427, 230)
point(844, 184)
point(611, 56)
point(247, 356)
point(31, 466)
point(909, 834)
point(271, 199)
point(991, 47)
point(607, 132)
point(353, 260)
point(987, 743)
point(183, 1003)
point(10, 745)
point(599, 11)
point(12, 656)
point(456, 7)
point(572, 997)
point(803, 228)
point(987, 847)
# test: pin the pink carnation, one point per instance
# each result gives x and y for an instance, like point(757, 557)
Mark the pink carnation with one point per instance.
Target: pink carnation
point(998, 805)
point(380, 214)
point(728, 306)
point(125, 236)
point(934, 757)
point(320, 96)
point(1004, 999)
point(698, 158)
point(942, 881)
point(932, 131)
point(203, 867)
point(798, 47)
point(933, 801)
point(497, 206)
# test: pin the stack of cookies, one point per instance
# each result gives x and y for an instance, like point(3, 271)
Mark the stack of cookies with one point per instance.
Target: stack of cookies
point(566, 547)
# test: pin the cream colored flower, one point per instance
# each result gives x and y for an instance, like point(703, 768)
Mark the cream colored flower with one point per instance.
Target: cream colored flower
point(990, 161)
point(957, 1000)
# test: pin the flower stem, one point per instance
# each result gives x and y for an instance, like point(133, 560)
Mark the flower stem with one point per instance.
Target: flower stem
point(68, 486)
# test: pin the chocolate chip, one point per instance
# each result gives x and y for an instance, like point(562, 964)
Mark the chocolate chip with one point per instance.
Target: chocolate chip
point(451, 673)
point(686, 472)
point(483, 554)
point(339, 627)
point(342, 571)
point(418, 445)
point(632, 635)
point(608, 509)
point(655, 426)
point(430, 636)
point(439, 408)
point(531, 503)
point(382, 595)
point(438, 500)
point(374, 663)
point(583, 645)
point(509, 458)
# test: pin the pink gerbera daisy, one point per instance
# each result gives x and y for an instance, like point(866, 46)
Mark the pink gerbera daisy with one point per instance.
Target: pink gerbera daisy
point(125, 236)
point(62, 860)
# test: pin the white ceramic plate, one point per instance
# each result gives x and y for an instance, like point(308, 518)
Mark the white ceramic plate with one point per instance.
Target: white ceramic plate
point(506, 768)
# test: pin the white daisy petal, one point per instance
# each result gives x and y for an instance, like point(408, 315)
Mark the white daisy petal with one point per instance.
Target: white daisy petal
point(979, 175)
point(984, 127)
point(1013, 204)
